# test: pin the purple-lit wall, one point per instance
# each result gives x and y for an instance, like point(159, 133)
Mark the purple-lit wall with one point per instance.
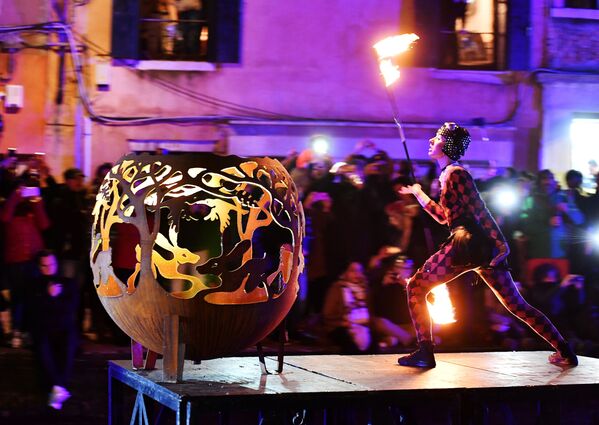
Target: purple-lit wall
point(569, 81)
point(311, 60)
point(314, 60)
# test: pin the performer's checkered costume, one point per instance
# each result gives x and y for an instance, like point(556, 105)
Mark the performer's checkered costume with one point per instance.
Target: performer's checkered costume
point(459, 199)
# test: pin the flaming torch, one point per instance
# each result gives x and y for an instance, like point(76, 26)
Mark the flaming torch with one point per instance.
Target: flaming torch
point(386, 50)
point(441, 308)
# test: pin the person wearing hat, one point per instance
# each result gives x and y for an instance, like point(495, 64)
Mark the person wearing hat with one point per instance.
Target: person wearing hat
point(475, 244)
point(70, 212)
point(73, 175)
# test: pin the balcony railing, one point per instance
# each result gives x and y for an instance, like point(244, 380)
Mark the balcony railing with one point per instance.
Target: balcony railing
point(174, 40)
point(472, 50)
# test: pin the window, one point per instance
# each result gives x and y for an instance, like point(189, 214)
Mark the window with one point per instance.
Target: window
point(176, 30)
point(464, 34)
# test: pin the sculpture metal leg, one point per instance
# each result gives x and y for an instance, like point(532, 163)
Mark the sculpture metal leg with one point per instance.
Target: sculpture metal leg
point(173, 349)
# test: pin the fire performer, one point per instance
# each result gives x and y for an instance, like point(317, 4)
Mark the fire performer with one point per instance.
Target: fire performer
point(475, 244)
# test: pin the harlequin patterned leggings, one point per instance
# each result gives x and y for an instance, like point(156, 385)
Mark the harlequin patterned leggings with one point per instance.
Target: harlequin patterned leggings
point(438, 269)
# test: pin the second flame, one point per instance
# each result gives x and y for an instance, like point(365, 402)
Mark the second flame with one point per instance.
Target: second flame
point(441, 309)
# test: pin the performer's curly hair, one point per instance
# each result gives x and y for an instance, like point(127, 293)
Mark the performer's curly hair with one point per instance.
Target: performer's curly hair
point(457, 140)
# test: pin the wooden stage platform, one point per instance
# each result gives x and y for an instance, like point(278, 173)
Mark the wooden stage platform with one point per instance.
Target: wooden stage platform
point(464, 388)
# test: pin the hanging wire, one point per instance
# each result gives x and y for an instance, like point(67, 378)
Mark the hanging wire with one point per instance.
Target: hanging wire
point(245, 112)
point(213, 101)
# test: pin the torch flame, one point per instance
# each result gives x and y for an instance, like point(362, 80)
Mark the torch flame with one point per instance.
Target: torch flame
point(394, 45)
point(389, 71)
point(388, 48)
point(441, 309)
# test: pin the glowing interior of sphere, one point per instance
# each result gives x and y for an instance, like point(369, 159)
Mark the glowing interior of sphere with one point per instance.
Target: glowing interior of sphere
point(212, 230)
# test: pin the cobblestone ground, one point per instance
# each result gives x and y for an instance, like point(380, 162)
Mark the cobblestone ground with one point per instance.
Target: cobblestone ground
point(22, 401)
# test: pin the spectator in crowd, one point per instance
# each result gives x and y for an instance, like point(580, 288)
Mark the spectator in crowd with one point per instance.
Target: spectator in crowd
point(388, 272)
point(547, 218)
point(376, 193)
point(345, 195)
point(575, 248)
point(319, 219)
point(562, 297)
point(405, 171)
point(346, 316)
point(310, 172)
point(574, 188)
point(412, 234)
point(592, 210)
point(99, 175)
point(351, 317)
point(592, 176)
point(364, 153)
point(504, 196)
point(70, 212)
point(24, 220)
point(7, 175)
point(5, 319)
point(430, 182)
point(54, 327)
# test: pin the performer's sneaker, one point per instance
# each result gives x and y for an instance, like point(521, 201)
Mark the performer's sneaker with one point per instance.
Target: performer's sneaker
point(565, 356)
point(423, 357)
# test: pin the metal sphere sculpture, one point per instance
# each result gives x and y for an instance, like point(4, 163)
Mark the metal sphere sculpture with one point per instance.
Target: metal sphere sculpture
point(215, 240)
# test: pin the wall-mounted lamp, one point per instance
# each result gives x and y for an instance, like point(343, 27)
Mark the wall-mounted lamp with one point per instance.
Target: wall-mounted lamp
point(102, 74)
point(13, 98)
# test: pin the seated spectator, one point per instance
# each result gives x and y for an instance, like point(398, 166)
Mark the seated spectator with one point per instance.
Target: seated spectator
point(346, 316)
point(388, 272)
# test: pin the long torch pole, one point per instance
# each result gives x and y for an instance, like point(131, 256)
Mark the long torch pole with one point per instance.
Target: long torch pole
point(428, 238)
point(386, 49)
point(402, 137)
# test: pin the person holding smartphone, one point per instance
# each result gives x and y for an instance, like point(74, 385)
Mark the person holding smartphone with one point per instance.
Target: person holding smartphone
point(24, 218)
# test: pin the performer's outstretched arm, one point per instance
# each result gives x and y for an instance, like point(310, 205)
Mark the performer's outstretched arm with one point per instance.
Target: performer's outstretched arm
point(430, 206)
